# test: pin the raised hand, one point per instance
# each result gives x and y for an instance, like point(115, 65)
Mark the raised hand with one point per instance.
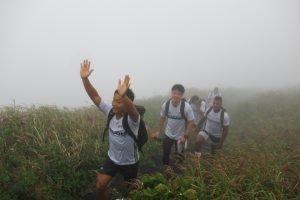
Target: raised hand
point(123, 87)
point(85, 71)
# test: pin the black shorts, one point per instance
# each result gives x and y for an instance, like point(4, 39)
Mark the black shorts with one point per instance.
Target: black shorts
point(127, 171)
point(214, 139)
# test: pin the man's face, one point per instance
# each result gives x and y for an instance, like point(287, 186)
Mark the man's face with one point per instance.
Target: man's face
point(217, 104)
point(176, 96)
point(118, 104)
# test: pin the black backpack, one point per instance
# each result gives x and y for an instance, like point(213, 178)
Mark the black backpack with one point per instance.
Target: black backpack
point(182, 106)
point(142, 137)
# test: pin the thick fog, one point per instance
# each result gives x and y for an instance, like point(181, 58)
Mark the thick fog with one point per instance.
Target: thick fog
point(201, 44)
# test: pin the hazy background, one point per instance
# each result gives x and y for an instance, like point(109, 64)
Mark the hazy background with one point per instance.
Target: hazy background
point(201, 44)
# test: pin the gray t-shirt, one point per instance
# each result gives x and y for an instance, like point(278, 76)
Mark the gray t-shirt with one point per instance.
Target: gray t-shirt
point(122, 148)
point(213, 123)
point(176, 125)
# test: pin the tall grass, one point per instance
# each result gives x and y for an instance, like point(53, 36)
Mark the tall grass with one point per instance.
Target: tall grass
point(51, 153)
point(48, 153)
point(260, 159)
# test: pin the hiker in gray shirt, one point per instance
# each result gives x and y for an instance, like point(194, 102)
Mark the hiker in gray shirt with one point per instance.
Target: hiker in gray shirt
point(180, 121)
point(122, 154)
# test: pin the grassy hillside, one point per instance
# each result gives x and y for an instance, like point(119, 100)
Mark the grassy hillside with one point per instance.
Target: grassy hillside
point(51, 153)
point(47, 153)
point(260, 159)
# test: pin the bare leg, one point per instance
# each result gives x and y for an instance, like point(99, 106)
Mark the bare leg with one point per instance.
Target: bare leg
point(101, 186)
point(199, 141)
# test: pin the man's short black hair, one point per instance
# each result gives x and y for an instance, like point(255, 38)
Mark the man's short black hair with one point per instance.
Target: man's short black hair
point(129, 93)
point(178, 87)
point(218, 98)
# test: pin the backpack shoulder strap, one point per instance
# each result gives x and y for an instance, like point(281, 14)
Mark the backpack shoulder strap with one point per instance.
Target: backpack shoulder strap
point(222, 116)
point(208, 111)
point(111, 114)
point(182, 106)
point(167, 107)
point(142, 136)
point(127, 128)
point(205, 116)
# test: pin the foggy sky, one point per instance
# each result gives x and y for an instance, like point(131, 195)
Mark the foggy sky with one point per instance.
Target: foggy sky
point(201, 44)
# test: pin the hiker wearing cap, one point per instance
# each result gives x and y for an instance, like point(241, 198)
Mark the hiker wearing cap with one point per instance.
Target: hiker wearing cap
point(123, 155)
point(180, 121)
point(215, 128)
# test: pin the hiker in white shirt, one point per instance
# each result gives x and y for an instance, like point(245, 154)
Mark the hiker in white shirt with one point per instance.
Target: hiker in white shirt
point(215, 128)
point(180, 121)
point(122, 155)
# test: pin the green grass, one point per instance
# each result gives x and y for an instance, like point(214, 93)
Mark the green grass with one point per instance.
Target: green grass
point(48, 153)
point(51, 153)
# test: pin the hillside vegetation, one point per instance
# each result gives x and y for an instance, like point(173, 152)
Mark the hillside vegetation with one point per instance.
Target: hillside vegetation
point(52, 153)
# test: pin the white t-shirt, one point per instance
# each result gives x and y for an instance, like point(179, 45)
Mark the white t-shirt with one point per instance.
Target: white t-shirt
point(213, 123)
point(122, 148)
point(175, 123)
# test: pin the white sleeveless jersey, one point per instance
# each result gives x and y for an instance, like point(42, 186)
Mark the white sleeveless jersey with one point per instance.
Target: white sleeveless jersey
point(122, 148)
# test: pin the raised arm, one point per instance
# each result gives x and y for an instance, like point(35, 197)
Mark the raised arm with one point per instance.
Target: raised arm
point(85, 72)
point(128, 104)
